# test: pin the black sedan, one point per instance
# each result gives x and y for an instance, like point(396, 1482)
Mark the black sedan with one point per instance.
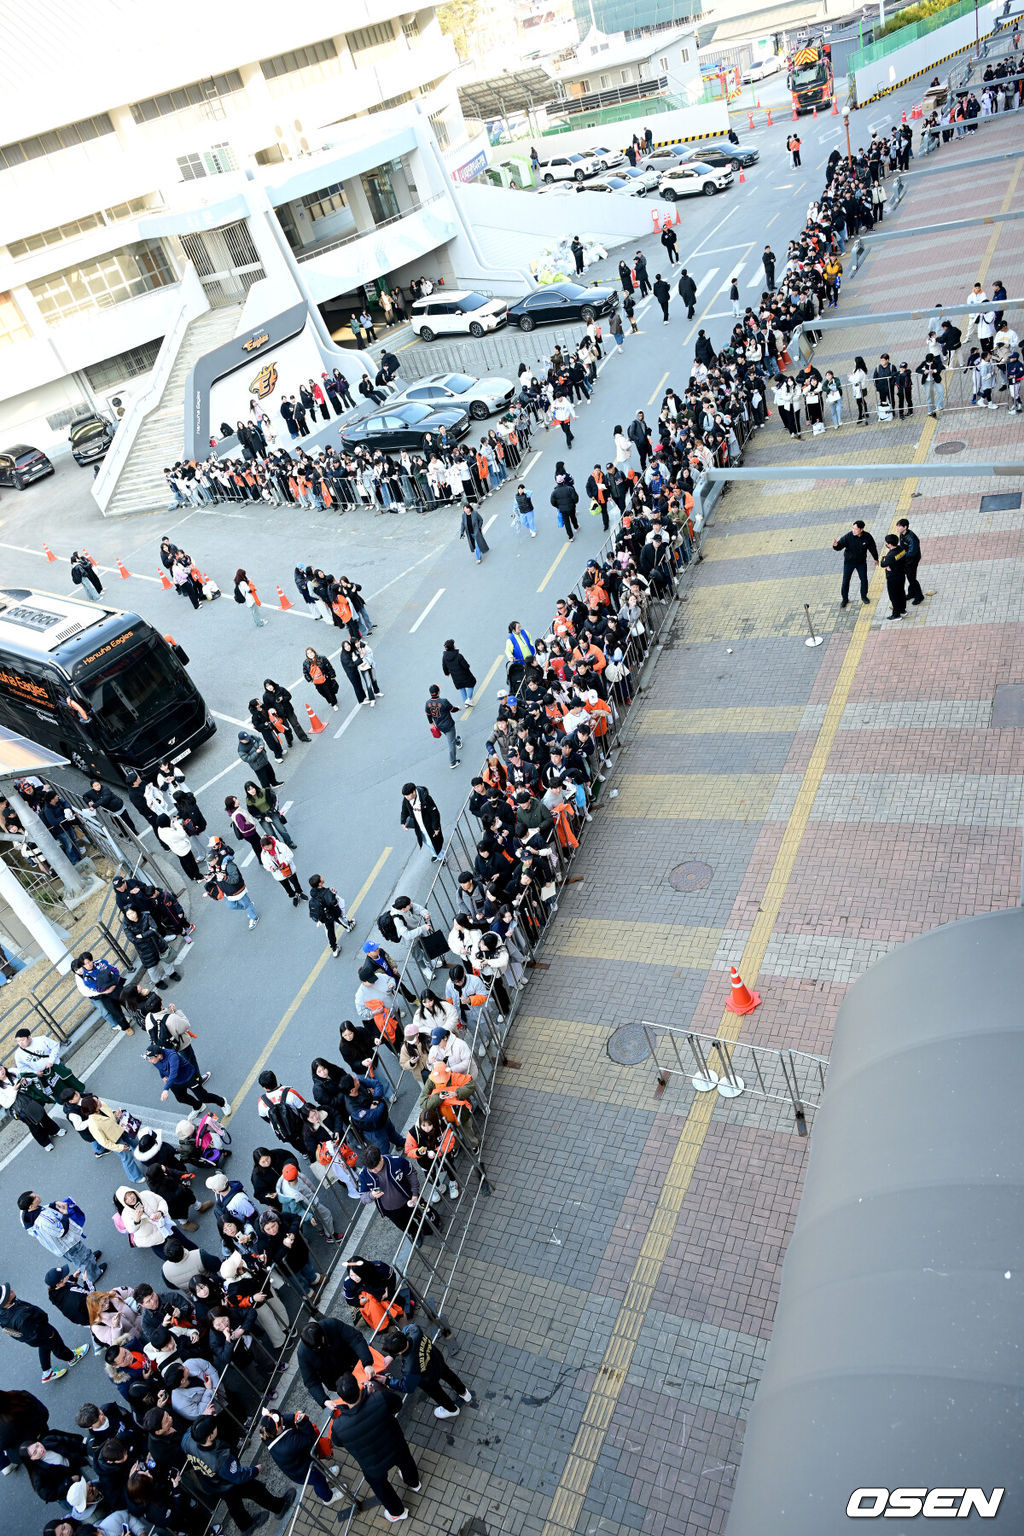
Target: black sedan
point(732, 157)
point(393, 427)
point(560, 302)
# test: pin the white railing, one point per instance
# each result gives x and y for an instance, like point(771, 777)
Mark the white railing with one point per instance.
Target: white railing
point(193, 302)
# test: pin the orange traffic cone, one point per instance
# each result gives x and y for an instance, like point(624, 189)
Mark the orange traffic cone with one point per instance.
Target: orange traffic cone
point(285, 602)
point(679, 217)
point(742, 177)
point(89, 557)
point(815, 111)
point(51, 557)
point(769, 117)
point(125, 572)
point(794, 112)
point(904, 114)
point(255, 596)
point(165, 581)
point(750, 121)
point(317, 726)
point(835, 106)
point(741, 1000)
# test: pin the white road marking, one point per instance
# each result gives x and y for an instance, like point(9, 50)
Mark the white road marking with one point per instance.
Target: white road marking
point(540, 451)
point(229, 769)
point(490, 522)
point(724, 219)
point(706, 279)
point(435, 599)
point(247, 860)
point(230, 719)
point(286, 807)
point(347, 720)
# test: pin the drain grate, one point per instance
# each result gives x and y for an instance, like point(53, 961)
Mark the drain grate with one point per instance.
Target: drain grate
point(952, 446)
point(628, 1045)
point(690, 876)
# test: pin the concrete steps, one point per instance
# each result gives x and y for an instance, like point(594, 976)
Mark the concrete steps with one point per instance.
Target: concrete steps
point(141, 486)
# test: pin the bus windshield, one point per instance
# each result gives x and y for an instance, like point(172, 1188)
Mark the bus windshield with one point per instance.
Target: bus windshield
point(132, 690)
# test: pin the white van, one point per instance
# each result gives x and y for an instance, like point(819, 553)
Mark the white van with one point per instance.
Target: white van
point(449, 311)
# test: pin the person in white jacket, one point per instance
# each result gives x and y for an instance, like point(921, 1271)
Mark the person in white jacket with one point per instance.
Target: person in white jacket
point(279, 861)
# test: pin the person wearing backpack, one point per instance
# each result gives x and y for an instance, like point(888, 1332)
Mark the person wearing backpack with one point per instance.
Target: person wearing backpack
point(83, 575)
point(284, 1111)
point(327, 910)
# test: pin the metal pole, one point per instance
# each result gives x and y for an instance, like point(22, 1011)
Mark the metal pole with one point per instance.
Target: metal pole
point(704, 1080)
point(812, 638)
point(68, 873)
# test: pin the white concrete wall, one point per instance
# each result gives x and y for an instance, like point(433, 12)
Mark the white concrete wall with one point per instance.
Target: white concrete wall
point(686, 122)
point(904, 62)
point(511, 228)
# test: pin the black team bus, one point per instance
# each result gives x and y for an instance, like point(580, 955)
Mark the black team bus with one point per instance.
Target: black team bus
point(810, 77)
point(101, 687)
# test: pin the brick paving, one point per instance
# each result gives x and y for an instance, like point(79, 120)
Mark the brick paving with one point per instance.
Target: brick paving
point(618, 1291)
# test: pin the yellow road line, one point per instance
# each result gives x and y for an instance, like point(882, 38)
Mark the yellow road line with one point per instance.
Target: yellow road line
point(554, 565)
point(495, 664)
point(303, 992)
point(657, 389)
point(567, 1504)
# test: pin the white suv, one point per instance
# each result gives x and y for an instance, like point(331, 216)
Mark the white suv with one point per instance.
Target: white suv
point(567, 168)
point(450, 310)
point(687, 180)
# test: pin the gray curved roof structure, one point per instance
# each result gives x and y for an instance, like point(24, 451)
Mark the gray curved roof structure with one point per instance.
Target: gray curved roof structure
point(897, 1358)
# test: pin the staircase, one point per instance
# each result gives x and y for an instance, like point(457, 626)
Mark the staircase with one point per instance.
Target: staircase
point(141, 486)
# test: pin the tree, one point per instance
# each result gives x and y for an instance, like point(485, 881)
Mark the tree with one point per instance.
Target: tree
point(458, 19)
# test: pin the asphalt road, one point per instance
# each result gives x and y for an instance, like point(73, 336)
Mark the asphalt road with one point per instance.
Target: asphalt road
point(263, 996)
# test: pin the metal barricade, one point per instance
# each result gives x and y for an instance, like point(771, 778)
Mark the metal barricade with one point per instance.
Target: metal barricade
point(731, 1067)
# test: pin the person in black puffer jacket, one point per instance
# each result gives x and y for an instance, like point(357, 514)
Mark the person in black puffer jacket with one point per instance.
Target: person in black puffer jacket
point(327, 910)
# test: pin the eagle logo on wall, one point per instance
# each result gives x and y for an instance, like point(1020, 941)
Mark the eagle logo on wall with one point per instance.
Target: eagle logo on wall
point(264, 382)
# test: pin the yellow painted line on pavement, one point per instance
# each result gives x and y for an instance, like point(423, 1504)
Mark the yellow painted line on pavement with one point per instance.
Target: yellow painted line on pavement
point(657, 389)
point(554, 565)
point(701, 722)
point(478, 690)
point(695, 796)
point(581, 1464)
point(303, 992)
point(592, 938)
point(777, 541)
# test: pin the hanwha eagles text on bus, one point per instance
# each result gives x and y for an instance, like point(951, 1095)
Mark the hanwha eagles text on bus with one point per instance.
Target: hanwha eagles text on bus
point(100, 686)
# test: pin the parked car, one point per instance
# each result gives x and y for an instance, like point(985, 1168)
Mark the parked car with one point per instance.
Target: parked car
point(604, 159)
point(395, 426)
point(556, 302)
point(623, 185)
point(734, 157)
point(762, 68)
point(646, 176)
point(665, 157)
point(449, 311)
point(90, 436)
point(20, 465)
point(566, 168)
point(479, 396)
point(690, 179)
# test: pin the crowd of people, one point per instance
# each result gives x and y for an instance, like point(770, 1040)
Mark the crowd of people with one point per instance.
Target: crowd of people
point(189, 1352)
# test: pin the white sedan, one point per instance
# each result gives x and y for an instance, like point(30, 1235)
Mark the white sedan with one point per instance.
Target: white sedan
point(480, 397)
point(689, 180)
point(604, 159)
point(622, 185)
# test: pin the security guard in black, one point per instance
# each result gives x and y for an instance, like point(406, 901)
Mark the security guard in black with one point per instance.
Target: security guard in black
point(856, 546)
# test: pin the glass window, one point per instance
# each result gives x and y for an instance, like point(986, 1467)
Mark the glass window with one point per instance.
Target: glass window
point(299, 58)
point(98, 284)
point(328, 200)
point(123, 365)
point(411, 29)
point(459, 382)
point(58, 139)
point(12, 323)
point(133, 689)
point(375, 36)
point(193, 95)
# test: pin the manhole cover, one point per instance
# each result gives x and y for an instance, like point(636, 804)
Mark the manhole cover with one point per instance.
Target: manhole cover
point(691, 876)
point(628, 1045)
point(953, 446)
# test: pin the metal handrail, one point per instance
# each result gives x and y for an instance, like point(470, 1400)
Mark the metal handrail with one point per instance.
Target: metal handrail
point(361, 234)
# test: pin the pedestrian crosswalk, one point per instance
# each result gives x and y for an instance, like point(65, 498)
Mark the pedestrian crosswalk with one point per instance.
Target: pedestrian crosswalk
point(706, 279)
